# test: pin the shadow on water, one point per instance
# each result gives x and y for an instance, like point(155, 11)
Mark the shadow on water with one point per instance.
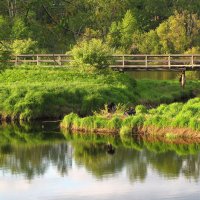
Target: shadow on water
point(29, 151)
point(163, 75)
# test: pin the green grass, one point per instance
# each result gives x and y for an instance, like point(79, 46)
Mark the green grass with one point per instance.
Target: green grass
point(156, 92)
point(44, 92)
point(176, 115)
point(35, 92)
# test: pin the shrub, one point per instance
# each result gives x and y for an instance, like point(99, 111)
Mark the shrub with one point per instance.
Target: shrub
point(91, 53)
point(5, 53)
point(140, 109)
point(68, 120)
point(115, 123)
point(24, 46)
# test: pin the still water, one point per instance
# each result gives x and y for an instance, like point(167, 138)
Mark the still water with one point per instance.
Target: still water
point(42, 163)
point(164, 75)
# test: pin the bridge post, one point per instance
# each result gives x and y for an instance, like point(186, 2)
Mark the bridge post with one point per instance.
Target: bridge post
point(59, 60)
point(146, 61)
point(38, 61)
point(192, 61)
point(169, 61)
point(16, 60)
point(123, 58)
point(183, 79)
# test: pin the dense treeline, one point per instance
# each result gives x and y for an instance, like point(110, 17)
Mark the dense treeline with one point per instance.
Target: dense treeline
point(131, 26)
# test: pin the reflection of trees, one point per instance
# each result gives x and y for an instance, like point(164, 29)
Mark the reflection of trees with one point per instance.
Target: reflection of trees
point(137, 168)
point(191, 167)
point(93, 155)
point(96, 160)
point(173, 160)
point(160, 157)
point(168, 164)
point(34, 160)
point(31, 153)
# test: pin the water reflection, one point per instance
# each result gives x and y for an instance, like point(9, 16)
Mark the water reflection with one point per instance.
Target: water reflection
point(163, 75)
point(30, 152)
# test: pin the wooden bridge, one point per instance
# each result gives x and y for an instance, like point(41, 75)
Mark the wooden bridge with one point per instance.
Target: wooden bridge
point(176, 62)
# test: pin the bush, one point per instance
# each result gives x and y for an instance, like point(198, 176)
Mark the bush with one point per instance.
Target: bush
point(24, 46)
point(5, 53)
point(68, 120)
point(91, 53)
point(140, 109)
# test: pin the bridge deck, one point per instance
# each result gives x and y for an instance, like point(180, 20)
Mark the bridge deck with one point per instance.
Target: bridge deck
point(122, 62)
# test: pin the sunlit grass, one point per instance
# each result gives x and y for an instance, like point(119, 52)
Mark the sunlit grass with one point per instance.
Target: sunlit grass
point(32, 92)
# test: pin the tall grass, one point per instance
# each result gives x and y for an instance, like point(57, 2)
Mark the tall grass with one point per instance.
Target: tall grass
point(32, 92)
point(177, 115)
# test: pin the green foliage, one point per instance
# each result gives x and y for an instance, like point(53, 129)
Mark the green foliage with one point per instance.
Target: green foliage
point(5, 55)
point(114, 35)
point(68, 119)
point(19, 29)
point(26, 46)
point(58, 25)
point(125, 132)
point(140, 109)
point(120, 35)
point(4, 28)
point(177, 34)
point(148, 43)
point(93, 53)
point(128, 27)
point(115, 123)
point(173, 115)
point(176, 115)
point(28, 92)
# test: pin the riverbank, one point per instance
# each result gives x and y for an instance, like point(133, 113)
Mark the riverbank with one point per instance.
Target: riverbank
point(171, 121)
point(37, 92)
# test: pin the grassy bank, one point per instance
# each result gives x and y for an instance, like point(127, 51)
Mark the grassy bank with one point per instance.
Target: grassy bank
point(46, 92)
point(31, 92)
point(173, 120)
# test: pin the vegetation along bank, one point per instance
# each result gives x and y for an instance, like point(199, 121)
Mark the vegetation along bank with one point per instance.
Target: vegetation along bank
point(31, 92)
point(173, 120)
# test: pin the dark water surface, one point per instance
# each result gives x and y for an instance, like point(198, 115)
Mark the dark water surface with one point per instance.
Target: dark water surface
point(42, 163)
point(163, 75)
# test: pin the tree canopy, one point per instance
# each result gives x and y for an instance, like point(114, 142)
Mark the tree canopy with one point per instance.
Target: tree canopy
point(144, 26)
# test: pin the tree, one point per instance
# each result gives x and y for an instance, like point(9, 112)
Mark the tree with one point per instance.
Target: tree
point(120, 34)
point(26, 46)
point(19, 29)
point(148, 43)
point(114, 35)
point(4, 28)
point(128, 27)
point(179, 32)
point(92, 54)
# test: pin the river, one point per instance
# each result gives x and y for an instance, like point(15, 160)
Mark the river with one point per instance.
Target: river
point(163, 75)
point(40, 162)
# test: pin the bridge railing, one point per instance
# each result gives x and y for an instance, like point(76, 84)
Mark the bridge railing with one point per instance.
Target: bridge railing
point(156, 61)
point(132, 62)
point(56, 59)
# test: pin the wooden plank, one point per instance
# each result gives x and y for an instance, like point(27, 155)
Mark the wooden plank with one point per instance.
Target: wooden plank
point(157, 62)
point(27, 61)
point(135, 61)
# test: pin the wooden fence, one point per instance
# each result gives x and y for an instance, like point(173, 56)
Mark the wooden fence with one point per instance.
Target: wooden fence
point(121, 62)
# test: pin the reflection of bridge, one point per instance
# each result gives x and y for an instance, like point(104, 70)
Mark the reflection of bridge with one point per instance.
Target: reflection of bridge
point(176, 62)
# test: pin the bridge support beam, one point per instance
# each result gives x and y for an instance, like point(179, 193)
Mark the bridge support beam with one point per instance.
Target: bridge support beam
point(182, 79)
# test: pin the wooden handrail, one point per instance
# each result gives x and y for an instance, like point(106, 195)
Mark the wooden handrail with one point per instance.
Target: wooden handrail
point(126, 61)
